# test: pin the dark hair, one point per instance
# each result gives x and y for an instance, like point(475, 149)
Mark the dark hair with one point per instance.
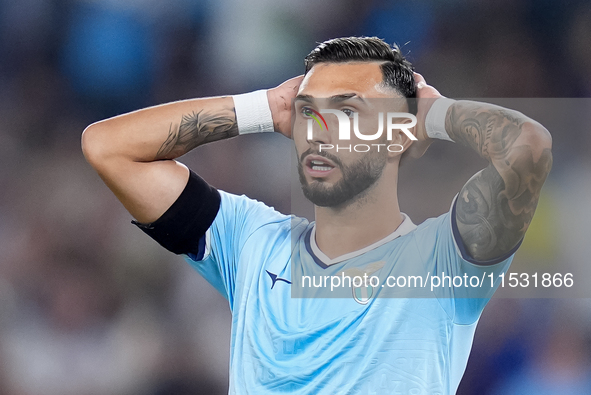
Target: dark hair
point(396, 70)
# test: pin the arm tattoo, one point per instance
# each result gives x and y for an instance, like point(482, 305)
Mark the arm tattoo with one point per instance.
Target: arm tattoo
point(196, 129)
point(496, 206)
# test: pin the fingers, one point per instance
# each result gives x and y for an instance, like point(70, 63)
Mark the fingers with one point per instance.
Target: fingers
point(292, 84)
point(295, 81)
point(425, 90)
point(419, 80)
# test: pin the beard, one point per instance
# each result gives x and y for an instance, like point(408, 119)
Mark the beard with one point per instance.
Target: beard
point(356, 178)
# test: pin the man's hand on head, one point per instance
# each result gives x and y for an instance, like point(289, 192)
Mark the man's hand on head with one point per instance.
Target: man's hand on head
point(426, 95)
point(280, 99)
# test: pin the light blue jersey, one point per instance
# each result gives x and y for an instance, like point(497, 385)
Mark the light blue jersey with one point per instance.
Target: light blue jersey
point(291, 337)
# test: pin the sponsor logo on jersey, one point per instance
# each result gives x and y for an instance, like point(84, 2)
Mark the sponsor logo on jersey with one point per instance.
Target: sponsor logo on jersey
point(274, 279)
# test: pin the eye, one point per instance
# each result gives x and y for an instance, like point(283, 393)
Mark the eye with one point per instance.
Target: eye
point(306, 111)
point(348, 112)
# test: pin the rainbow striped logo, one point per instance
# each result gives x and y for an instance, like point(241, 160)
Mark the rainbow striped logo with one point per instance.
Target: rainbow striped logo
point(315, 117)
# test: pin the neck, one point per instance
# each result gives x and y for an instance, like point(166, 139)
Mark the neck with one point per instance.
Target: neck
point(359, 223)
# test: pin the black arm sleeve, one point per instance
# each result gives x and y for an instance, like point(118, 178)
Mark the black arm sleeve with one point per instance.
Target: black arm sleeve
point(182, 226)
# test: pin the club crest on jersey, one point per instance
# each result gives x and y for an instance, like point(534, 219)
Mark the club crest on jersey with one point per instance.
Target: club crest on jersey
point(362, 293)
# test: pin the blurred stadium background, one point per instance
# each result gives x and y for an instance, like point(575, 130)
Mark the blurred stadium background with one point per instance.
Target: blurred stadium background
point(89, 305)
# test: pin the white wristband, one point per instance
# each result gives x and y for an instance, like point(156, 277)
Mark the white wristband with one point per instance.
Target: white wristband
point(435, 120)
point(253, 114)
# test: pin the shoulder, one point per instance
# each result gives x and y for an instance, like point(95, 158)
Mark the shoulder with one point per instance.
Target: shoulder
point(232, 204)
point(433, 237)
point(255, 214)
point(433, 228)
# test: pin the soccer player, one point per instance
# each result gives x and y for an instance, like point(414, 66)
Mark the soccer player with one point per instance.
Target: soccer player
point(359, 343)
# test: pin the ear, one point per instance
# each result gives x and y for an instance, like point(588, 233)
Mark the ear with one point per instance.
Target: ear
point(401, 139)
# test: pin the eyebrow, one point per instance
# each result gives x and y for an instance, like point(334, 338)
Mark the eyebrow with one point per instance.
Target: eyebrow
point(333, 99)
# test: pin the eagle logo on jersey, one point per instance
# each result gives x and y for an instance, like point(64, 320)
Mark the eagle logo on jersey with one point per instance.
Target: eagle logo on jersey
point(364, 293)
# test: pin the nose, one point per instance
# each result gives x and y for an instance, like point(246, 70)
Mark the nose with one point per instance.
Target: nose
point(318, 132)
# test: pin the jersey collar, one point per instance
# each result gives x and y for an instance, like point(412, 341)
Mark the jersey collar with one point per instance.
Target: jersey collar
point(324, 261)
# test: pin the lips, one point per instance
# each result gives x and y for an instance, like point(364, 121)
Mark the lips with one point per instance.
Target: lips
point(318, 166)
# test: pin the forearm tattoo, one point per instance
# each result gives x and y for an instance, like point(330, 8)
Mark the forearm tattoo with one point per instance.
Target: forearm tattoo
point(496, 206)
point(196, 129)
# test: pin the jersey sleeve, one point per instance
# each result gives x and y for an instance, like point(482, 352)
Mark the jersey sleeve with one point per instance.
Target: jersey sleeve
point(210, 228)
point(465, 285)
point(237, 220)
